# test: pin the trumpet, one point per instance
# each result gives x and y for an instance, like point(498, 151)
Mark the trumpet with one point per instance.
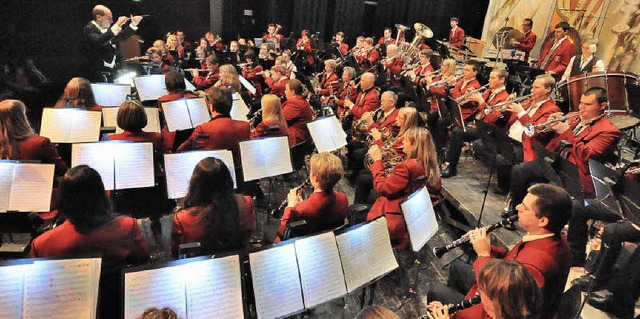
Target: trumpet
point(440, 251)
point(467, 303)
point(444, 81)
point(544, 127)
point(465, 97)
point(502, 106)
point(277, 212)
point(390, 158)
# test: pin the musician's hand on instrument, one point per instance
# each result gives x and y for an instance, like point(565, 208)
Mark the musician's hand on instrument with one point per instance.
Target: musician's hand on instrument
point(560, 127)
point(439, 312)
point(376, 134)
point(121, 21)
point(434, 304)
point(194, 73)
point(375, 153)
point(480, 241)
point(515, 108)
point(555, 116)
point(135, 20)
point(292, 197)
point(348, 104)
point(476, 97)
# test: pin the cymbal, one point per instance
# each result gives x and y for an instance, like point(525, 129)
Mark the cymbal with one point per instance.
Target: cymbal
point(515, 35)
point(499, 35)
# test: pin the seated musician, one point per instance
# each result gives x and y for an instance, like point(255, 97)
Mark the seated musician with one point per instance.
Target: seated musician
point(252, 71)
point(288, 64)
point(386, 38)
point(229, 79)
point(423, 68)
point(592, 137)
point(234, 56)
point(392, 65)
point(158, 66)
point(585, 62)
point(543, 252)
point(305, 50)
point(264, 58)
point(437, 85)
point(173, 44)
point(339, 41)
point(272, 33)
point(407, 118)
point(213, 74)
point(329, 82)
point(91, 227)
point(78, 94)
point(215, 42)
point(495, 94)
point(557, 52)
point(164, 53)
point(182, 39)
point(296, 111)
point(371, 56)
point(346, 91)
point(507, 290)
point(132, 118)
point(366, 100)
point(420, 160)
point(210, 213)
point(177, 89)
point(276, 80)
point(528, 40)
point(202, 51)
point(325, 208)
point(272, 117)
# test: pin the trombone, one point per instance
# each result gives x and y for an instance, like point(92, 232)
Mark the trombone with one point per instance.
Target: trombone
point(544, 127)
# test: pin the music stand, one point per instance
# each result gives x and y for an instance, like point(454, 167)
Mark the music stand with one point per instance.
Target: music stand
point(546, 161)
point(628, 191)
point(603, 179)
point(497, 141)
point(566, 172)
point(453, 111)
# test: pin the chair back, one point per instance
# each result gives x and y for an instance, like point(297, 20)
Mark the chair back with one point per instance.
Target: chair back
point(296, 229)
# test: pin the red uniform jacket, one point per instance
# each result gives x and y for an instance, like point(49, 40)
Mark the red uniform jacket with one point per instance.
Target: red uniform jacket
point(168, 138)
point(391, 41)
point(468, 109)
point(496, 118)
point(344, 48)
point(364, 102)
point(387, 124)
point(275, 37)
point(321, 210)
point(442, 90)
point(277, 88)
point(344, 88)
point(559, 59)
point(547, 259)
point(297, 112)
point(261, 130)
point(120, 242)
point(456, 39)
point(393, 70)
point(224, 133)
point(421, 70)
point(527, 43)
point(205, 82)
point(540, 116)
point(189, 224)
point(308, 51)
point(329, 84)
point(36, 147)
point(392, 190)
point(397, 145)
point(373, 57)
point(251, 74)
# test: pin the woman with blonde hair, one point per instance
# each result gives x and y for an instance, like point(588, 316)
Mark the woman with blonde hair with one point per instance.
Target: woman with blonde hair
point(78, 94)
point(229, 78)
point(271, 116)
point(174, 44)
point(376, 312)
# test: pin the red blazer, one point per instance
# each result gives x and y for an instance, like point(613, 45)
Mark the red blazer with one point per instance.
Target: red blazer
point(261, 130)
point(251, 74)
point(393, 69)
point(344, 48)
point(297, 112)
point(277, 88)
point(224, 133)
point(168, 138)
point(392, 190)
point(547, 259)
point(386, 123)
point(397, 145)
point(307, 50)
point(120, 242)
point(329, 84)
point(189, 224)
point(364, 102)
point(344, 88)
point(494, 117)
point(470, 108)
point(540, 115)
point(373, 56)
point(391, 41)
point(36, 147)
point(421, 70)
point(456, 39)
point(205, 82)
point(560, 58)
point(321, 210)
point(597, 141)
point(527, 43)
point(276, 36)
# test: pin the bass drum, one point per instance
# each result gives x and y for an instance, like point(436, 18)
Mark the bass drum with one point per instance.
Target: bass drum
point(612, 81)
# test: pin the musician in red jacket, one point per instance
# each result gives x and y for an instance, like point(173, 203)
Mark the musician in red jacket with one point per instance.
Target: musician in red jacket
point(213, 74)
point(393, 65)
point(329, 82)
point(177, 89)
point(343, 47)
point(557, 53)
point(304, 47)
point(272, 33)
point(132, 118)
point(467, 84)
point(346, 91)
point(367, 98)
point(456, 35)
point(371, 57)
point(386, 38)
point(543, 252)
point(528, 41)
point(423, 68)
point(297, 111)
point(325, 208)
point(276, 79)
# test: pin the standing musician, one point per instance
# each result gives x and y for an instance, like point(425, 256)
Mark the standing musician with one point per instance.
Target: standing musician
point(213, 74)
point(276, 80)
point(556, 53)
point(271, 118)
point(329, 82)
point(325, 208)
point(528, 41)
point(392, 65)
point(585, 62)
point(423, 68)
point(252, 71)
point(456, 35)
point(305, 50)
point(366, 100)
point(272, 33)
point(339, 41)
point(421, 160)
point(297, 111)
point(543, 252)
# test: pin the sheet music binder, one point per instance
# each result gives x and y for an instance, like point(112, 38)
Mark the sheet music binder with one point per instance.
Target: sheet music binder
point(185, 113)
point(110, 118)
point(420, 218)
point(121, 164)
point(265, 157)
point(110, 94)
point(70, 125)
point(327, 133)
point(179, 168)
point(25, 187)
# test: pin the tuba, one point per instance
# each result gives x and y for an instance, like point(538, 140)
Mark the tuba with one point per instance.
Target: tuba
point(422, 32)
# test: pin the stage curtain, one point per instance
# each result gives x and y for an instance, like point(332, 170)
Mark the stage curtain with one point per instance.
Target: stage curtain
point(310, 15)
point(388, 13)
point(348, 17)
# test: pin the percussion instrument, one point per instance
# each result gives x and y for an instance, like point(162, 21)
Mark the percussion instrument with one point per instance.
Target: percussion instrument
point(612, 81)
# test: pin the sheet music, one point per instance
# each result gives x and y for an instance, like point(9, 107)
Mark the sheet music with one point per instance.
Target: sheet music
point(366, 253)
point(52, 283)
point(189, 85)
point(93, 155)
point(85, 126)
point(32, 187)
point(214, 288)
point(239, 110)
point(320, 269)
point(134, 165)
point(110, 117)
point(176, 114)
point(198, 111)
point(265, 157)
point(6, 178)
point(11, 294)
point(179, 168)
point(162, 287)
point(420, 217)
point(50, 125)
point(70, 125)
point(110, 94)
point(276, 281)
point(327, 134)
point(247, 85)
point(150, 87)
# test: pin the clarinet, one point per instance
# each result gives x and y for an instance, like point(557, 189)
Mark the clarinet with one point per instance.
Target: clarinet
point(440, 251)
point(277, 212)
point(453, 308)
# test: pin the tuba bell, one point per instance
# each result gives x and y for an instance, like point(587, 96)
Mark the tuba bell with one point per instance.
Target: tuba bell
point(422, 32)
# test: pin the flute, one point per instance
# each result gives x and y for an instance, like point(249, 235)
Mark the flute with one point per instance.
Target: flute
point(440, 251)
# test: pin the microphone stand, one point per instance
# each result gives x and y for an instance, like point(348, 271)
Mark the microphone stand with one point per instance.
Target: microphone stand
point(501, 43)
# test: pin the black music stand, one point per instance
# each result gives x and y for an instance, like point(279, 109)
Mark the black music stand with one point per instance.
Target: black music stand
point(565, 171)
point(603, 179)
point(453, 113)
point(628, 192)
point(497, 141)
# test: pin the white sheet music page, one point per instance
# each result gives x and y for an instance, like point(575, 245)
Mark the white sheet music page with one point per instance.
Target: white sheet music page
point(52, 283)
point(110, 117)
point(320, 269)
point(276, 281)
point(176, 115)
point(265, 157)
point(108, 94)
point(239, 110)
point(85, 126)
point(32, 187)
point(55, 124)
point(6, 179)
point(11, 294)
point(98, 156)
point(214, 288)
point(179, 168)
point(379, 250)
point(189, 85)
point(153, 120)
point(162, 287)
point(150, 87)
point(326, 135)
point(198, 111)
point(352, 246)
point(133, 165)
point(420, 218)
point(247, 85)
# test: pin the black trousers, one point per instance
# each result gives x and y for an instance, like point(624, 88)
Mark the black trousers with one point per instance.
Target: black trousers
point(524, 175)
point(364, 185)
point(578, 228)
point(461, 279)
point(501, 164)
point(457, 137)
